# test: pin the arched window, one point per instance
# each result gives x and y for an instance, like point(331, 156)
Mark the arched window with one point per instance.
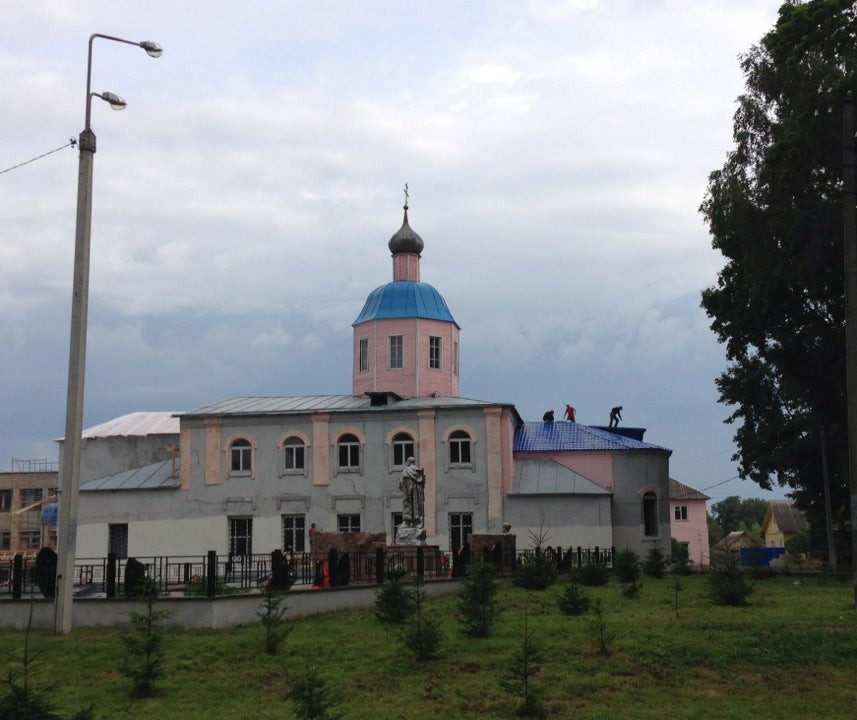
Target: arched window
point(459, 448)
point(348, 452)
point(294, 452)
point(403, 448)
point(650, 514)
point(241, 456)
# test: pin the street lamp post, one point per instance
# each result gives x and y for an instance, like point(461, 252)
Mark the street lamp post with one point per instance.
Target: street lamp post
point(69, 484)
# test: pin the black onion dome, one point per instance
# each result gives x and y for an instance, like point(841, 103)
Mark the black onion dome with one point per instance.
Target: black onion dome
point(405, 240)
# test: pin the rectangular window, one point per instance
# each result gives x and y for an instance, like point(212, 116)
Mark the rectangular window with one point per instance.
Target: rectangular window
point(31, 496)
point(293, 533)
point(681, 512)
point(364, 354)
point(434, 352)
point(5, 540)
point(117, 540)
point(460, 527)
point(29, 539)
point(5, 500)
point(395, 352)
point(396, 519)
point(455, 358)
point(348, 523)
point(241, 536)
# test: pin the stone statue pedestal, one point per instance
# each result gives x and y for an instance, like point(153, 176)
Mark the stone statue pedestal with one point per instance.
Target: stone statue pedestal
point(409, 536)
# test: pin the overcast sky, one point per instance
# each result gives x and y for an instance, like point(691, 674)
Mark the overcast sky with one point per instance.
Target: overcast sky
point(556, 153)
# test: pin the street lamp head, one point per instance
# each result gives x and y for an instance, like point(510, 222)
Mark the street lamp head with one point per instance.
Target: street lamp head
point(115, 102)
point(152, 48)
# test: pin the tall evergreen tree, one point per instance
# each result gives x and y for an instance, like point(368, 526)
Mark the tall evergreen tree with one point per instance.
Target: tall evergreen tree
point(774, 211)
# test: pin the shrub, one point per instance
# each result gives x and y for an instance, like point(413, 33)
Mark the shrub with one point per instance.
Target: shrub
point(393, 601)
point(271, 613)
point(573, 601)
point(592, 574)
point(422, 634)
point(654, 564)
point(727, 584)
point(477, 604)
point(524, 666)
point(311, 696)
point(599, 627)
point(626, 565)
point(143, 661)
point(535, 572)
point(22, 701)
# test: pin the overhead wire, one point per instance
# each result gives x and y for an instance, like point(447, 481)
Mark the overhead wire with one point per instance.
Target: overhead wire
point(71, 143)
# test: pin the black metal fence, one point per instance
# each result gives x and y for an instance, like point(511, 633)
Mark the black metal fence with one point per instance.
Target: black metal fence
point(211, 574)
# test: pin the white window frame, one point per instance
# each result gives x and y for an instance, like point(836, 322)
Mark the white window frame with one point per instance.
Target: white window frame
point(242, 450)
point(459, 443)
point(345, 522)
point(680, 513)
point(435, 350)
point(396, 352)
point(295, 446)
point(344, 442)
point(404, 447)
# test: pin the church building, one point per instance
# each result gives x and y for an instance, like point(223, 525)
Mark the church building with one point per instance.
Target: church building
point(252, 474)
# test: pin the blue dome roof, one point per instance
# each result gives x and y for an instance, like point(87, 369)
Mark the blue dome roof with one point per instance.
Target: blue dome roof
point(404, 299)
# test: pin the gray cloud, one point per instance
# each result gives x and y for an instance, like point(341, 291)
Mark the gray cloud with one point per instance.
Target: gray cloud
point(556, 155)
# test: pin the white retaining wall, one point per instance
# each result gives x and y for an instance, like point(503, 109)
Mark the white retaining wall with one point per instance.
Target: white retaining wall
point(192, 612)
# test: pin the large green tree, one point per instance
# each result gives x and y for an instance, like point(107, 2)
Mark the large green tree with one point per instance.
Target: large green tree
point(734, 513)
point(774, 211)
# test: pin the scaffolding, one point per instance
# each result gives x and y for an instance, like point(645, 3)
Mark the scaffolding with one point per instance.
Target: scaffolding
point(34, 466)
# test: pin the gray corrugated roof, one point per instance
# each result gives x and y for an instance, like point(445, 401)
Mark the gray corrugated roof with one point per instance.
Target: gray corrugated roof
point(546, 477)
point(324, 403)
point(562, 435)
point(680, 491)
point(148, 477)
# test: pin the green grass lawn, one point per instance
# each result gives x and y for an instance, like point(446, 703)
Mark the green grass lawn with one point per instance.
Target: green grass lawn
point(792, 653)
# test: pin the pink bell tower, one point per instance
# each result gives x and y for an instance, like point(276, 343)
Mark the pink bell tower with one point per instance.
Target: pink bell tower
point(405, 338)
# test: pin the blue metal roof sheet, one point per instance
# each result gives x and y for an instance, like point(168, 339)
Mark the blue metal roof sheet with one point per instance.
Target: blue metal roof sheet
point(562, 435)
point(404, 299)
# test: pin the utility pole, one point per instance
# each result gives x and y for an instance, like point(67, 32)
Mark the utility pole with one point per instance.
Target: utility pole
point(849, 226)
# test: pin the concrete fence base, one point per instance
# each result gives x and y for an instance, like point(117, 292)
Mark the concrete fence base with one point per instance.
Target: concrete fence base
point(198, 612)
